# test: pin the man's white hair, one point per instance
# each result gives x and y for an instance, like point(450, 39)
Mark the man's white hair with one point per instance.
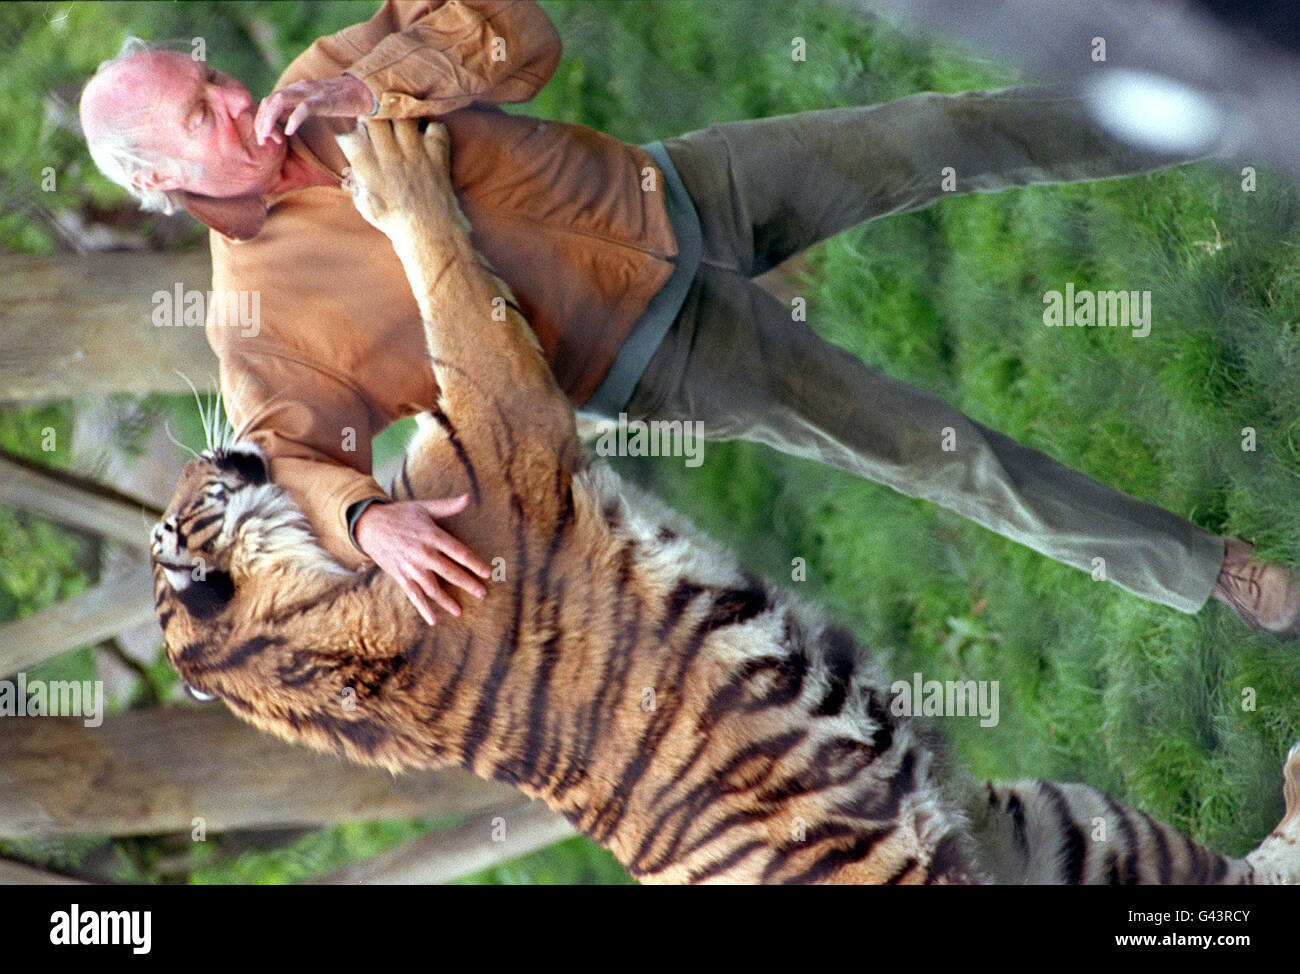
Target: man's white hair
point(120, 151)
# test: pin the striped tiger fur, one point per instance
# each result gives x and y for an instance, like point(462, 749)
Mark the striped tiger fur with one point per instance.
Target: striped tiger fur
point(699, 723)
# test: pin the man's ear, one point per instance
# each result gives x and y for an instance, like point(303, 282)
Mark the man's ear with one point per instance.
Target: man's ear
point(155, 181)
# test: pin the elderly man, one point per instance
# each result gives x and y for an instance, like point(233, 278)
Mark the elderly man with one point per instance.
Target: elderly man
point(633, 265)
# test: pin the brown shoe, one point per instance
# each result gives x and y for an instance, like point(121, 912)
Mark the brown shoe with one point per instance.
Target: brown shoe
point(1264, 594)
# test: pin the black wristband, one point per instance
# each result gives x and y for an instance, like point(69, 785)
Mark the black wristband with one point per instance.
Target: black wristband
point(355, 511)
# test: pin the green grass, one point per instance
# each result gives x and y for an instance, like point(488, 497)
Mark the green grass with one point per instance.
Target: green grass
point(1096, 685)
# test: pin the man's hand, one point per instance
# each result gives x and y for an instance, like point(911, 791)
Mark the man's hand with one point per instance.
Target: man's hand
point(406, 542)
point(344, 96)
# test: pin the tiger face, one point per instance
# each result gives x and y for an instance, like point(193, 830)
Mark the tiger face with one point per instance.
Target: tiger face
point(193, 545)
point(229, 544)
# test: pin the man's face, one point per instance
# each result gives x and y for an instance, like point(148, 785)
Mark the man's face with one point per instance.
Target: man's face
point(204, 118)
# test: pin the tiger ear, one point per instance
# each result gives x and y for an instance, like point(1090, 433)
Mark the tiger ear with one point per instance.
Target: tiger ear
point(247, 464)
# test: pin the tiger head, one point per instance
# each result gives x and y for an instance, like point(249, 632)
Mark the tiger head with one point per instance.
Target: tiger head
point(229, 543)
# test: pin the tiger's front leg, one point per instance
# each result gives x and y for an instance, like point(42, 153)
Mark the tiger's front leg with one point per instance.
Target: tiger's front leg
point(496, 388)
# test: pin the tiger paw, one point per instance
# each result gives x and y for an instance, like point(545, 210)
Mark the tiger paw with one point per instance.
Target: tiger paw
point(394, 171)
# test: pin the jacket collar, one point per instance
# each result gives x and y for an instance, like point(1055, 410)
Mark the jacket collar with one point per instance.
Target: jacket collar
point(236, 217)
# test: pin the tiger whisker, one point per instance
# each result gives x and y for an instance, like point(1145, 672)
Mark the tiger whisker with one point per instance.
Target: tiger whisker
point(216, 415)
point(203, 416)
point(187, 449)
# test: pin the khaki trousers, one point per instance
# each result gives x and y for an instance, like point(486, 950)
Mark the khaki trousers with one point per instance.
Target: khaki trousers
point(736, 361)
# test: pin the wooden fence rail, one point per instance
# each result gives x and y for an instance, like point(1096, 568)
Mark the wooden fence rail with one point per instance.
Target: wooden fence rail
point(114, 605)
point(85, 619)
point(76, 501)
point(84, 326)
point(487, 839)
point(168, 769)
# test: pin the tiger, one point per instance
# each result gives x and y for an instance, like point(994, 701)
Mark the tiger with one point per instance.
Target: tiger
point(697, 721)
